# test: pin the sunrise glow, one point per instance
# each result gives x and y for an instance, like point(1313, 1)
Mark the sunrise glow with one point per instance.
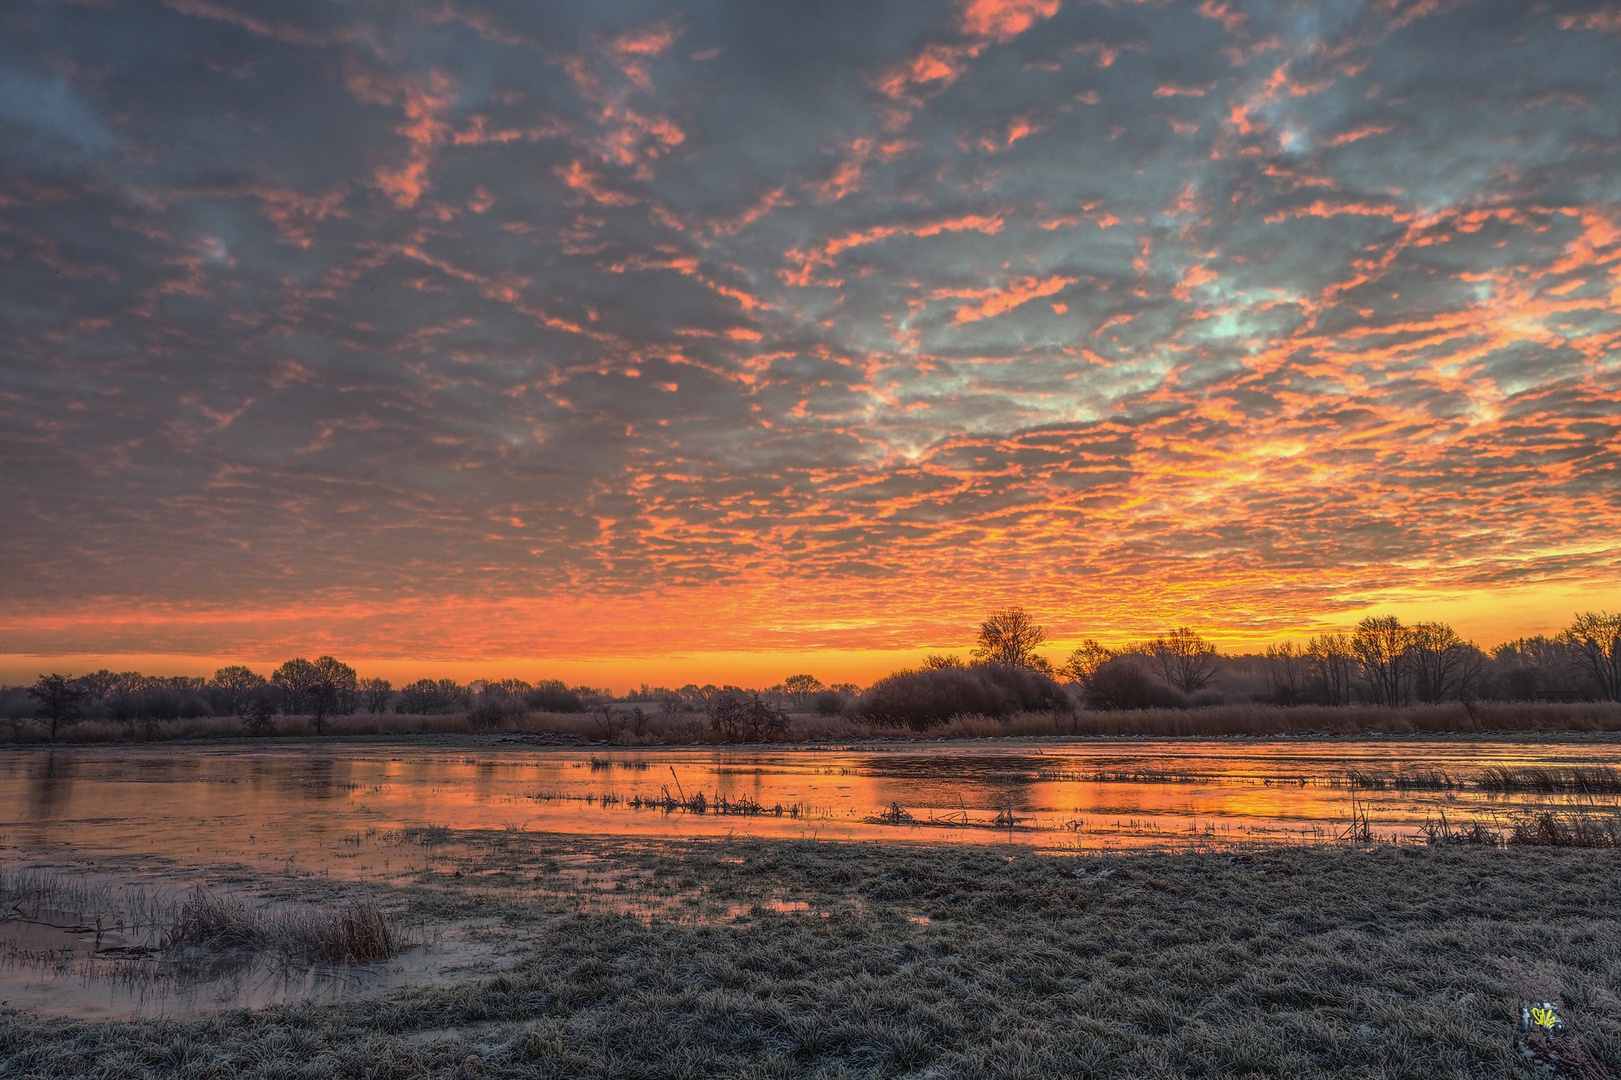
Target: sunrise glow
point(558, 341)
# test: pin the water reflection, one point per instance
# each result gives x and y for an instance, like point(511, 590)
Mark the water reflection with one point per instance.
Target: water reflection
point(299, 807)
point(50, 783)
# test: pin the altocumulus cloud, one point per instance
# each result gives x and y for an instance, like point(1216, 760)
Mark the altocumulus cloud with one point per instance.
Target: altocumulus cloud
point(500, 328)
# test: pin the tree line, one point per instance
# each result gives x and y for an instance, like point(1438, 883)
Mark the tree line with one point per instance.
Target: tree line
point(318, 689)
point(1379, 662)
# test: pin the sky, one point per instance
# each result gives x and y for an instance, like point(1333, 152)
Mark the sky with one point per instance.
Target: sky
point(640, 341)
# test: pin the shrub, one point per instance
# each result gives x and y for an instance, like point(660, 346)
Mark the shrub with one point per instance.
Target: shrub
point(550, 695)
point(922, 699)
point(1123, 683)
point(740, 717)
point(828, 703)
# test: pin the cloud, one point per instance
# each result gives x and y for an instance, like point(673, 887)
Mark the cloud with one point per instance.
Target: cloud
point(470, 334)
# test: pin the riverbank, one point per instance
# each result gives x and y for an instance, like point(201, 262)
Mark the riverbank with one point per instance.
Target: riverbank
point(632, 726)
point(752, 958)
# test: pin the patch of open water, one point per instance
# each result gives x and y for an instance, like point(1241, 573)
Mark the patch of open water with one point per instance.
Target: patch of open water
point(162, 816)
point(377, 811)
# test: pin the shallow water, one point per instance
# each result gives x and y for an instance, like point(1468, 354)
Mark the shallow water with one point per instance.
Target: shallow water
point(378, 811)
point(138, 818)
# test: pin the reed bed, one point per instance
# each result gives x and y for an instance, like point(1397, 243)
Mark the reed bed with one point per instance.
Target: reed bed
point(1591, 780)
point(357, 933)
point(1568, 829)
point(1402, 780)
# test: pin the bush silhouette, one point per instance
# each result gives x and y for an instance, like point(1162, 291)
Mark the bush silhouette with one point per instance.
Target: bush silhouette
point(550, 695)
point(1122, 683)
point(922, 699)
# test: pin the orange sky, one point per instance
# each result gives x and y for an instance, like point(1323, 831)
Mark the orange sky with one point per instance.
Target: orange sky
point(546, 340)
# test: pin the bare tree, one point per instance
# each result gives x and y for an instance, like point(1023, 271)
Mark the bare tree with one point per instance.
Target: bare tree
point(936, 661)
point(237, 685)
point(1083, 663)
point(742, 716)
point(1010, 637)
point(1330, 660)
point(1380, 645)
point(58, 699)
point(1285, 672)
point(1594, 642)
point(294, 679)
point(374, 694)
point(1435, 660)
point(800, 688)
point(331, 690)
point(1186, 660)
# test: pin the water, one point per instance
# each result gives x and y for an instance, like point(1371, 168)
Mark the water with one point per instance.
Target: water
point(143, 821)
point(375, 811)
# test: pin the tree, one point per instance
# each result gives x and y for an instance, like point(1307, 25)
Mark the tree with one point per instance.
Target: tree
point(260, 716)
point(58, 699)
point(1010, 637)
point(1286, 668)
point(552, 695)
point(1330, 660)
point(1084, 662)
point(1186, 660)
point(937, 661)
point(1436, 657)
point(1120, 683)
point(428, 696)
point(801, 688)
point(1594, 643)
point(236, 685)
point(343, 682)
point(320, 687)
point(294, 679)
point(1380, 646)
point(374, 694)
point(98, 686)
point(1529, 664)
point(737, 716)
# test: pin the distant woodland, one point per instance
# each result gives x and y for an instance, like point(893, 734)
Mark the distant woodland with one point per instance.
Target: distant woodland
point(1381, 663)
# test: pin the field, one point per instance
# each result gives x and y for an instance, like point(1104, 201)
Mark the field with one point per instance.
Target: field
point(757, 959)
point(658, 728)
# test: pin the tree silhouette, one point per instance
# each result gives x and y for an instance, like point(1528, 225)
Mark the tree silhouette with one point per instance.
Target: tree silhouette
point(331, 690)
point(1594, 642)
point(1380, 645)
point(1437, 659)
point(1186, 660)
point(1083, 663)
point(1331, 659)
point(374, 694)
point(800, 688)
point(237, 685)
point(58, 699)
point(295, 678)
point(1010, 637)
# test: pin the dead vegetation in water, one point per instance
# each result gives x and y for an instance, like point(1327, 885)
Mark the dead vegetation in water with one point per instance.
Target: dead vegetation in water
point(1574, 828)
point(1580, 780)
point(357, 932)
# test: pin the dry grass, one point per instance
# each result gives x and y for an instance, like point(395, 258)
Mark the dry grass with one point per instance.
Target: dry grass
point(1585, 828)
point(357, 933)
point(1594, 780)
